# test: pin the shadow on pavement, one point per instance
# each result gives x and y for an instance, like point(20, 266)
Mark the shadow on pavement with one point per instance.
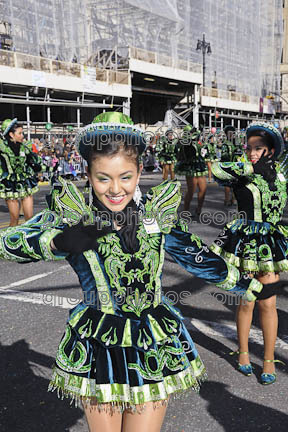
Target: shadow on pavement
point(235, 414)
point(25, 404)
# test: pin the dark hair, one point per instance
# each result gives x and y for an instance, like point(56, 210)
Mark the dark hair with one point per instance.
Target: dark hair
point(13, 130)
point(265, 136)
point(111, 149)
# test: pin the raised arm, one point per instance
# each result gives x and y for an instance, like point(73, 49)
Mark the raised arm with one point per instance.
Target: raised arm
point(192, 254)
point(32, 240)
point(231, 172)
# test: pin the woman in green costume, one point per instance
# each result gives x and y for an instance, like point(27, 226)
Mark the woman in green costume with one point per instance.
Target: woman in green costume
point(256, 242)
point(18, 168)
point(126, 349)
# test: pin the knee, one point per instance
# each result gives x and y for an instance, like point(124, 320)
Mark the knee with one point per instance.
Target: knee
point(267, 305)
point(246, 307)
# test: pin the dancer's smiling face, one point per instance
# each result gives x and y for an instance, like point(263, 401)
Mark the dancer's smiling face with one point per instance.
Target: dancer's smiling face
point(114, 179)
point(256, 147)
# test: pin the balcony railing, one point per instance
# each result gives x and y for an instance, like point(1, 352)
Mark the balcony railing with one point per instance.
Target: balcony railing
point(164, 60)
point(25, 61)
point(230, 95)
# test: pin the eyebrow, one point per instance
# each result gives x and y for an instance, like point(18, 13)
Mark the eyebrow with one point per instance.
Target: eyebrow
point(107, 175)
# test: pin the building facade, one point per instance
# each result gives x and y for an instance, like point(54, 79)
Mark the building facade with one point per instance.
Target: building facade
point(67, 60)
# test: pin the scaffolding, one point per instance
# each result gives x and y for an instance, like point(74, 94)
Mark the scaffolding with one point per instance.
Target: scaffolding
point(245, 37)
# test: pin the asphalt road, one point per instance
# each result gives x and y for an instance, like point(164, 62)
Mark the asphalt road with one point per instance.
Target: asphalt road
point(35, 299)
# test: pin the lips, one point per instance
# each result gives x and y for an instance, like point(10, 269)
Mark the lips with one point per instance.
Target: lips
point(115, 200)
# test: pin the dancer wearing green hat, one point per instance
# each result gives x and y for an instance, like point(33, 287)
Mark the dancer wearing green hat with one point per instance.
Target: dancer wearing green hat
point(18, 168)
point(166, 154)
point(126, 349)
point(257, 241)
point(191, 163)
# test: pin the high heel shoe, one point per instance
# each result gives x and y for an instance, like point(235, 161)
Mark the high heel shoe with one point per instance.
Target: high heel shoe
point(245, 369)
point(269, 378)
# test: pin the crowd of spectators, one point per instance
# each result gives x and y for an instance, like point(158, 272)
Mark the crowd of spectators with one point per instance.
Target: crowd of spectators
point(59, 157)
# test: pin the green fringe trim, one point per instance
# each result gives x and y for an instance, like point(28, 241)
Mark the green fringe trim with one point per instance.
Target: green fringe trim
point(17, 195)
point(250, 266)
point(61, 381)
point(192, 173)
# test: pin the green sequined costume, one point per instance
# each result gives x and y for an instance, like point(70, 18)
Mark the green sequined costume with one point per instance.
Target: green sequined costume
point(166, 150)
point(18, 178)
point(257, 240)
point(125, 343)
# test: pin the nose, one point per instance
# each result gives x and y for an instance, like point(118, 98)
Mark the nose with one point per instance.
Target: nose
point(115, 187)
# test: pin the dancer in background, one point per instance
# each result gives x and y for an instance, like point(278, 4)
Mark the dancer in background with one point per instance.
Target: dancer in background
point(209, 154)
point(191, 163)
point(166, 154)
point(19, 166)
point(227, 155)
point(257, 244)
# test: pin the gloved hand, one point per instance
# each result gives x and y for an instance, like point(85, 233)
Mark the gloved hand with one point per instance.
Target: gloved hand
point(266, 167)
point(34, 161)
point(254, 288)
point(80, 238)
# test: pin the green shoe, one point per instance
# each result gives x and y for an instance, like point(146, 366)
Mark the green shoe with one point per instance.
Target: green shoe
point(245, 369)
point(269, 378)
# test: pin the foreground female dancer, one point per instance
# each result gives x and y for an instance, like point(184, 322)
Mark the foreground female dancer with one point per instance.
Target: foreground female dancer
point(125, 349)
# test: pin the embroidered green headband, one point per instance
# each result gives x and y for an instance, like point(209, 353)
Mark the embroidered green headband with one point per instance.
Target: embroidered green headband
point(108, 127)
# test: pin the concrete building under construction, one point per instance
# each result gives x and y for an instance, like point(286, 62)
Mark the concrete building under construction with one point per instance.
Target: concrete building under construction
point(64, 61)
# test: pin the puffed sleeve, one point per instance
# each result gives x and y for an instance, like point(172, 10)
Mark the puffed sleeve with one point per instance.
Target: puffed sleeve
point(193, 255)
point(31, 241)
point(227, 173)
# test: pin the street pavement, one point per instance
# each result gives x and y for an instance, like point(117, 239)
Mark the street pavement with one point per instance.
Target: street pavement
point(35, 299)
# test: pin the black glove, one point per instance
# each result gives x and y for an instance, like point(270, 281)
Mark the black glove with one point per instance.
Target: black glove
point(34, 161)
point(80, 238)
point(266, 167)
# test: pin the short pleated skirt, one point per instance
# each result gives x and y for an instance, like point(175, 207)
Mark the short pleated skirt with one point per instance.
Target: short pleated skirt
point(253, 247)
point(167, 159)
point(197, 168)
point(100, 362)
point(15, 188)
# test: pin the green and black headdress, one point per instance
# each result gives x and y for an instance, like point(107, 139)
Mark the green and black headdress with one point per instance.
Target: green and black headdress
point(109, 127)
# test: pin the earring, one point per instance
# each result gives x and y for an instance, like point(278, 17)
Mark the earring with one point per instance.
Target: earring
point(137, 195)
point(90, 196)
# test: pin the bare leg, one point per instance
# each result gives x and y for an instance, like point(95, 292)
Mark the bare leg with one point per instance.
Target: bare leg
point(150, 420)
point(172, 173)
point(227, 195)
point(209, 172)
point(244, 317)
point(21, 211)
point(165, 171)
point(269, 323)
point(27, 203)
point(189, 193)
point(13, 207)
point(102, 421)
point(202, 185)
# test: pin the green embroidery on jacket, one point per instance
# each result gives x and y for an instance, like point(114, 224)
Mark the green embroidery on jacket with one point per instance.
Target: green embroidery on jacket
point(273, 202)
point(136, 303)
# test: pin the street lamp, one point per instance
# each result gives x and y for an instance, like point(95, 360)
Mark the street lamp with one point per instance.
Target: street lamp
point(205, 47)
point(279, 95)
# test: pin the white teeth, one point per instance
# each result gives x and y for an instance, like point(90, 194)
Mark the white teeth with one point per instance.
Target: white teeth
point(115, 198)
